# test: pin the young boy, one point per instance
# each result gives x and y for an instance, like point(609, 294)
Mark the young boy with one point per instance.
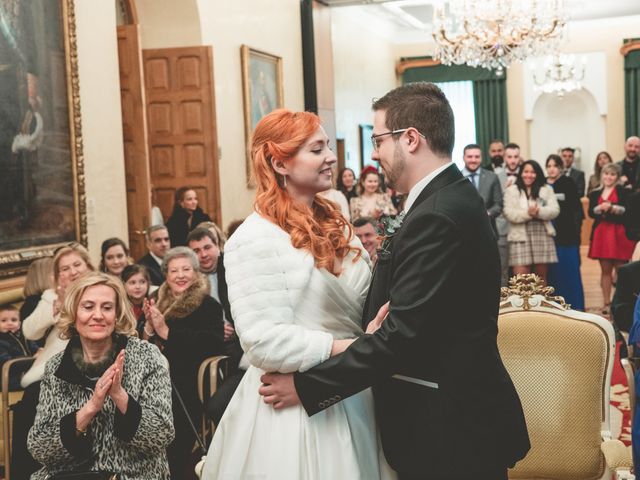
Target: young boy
point(13, 344)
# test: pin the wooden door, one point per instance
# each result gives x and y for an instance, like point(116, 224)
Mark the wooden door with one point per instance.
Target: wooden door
point(136, 155)
point(183, 148)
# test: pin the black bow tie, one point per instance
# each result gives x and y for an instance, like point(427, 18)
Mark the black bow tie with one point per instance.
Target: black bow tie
point(509, 174)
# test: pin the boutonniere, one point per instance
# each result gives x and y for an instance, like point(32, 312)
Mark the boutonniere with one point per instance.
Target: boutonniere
point(388, 226)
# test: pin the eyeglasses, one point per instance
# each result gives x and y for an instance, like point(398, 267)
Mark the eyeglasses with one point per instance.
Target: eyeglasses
point(376, 143)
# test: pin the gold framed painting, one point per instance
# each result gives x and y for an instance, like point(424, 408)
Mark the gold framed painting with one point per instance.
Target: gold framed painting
point(42, 194)
point(262, 92)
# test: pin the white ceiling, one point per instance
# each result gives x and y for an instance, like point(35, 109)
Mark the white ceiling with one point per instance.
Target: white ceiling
point(409, 21)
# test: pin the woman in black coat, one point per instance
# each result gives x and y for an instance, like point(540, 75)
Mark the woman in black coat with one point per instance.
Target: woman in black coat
point(185, 217)
point(564, 276)
point(188, 325)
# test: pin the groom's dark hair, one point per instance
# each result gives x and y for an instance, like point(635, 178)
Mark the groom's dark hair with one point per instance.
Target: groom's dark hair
point(423, 106)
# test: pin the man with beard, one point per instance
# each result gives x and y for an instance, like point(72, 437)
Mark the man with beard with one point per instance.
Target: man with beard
point(630, 177)
point(436, 420)
point(496, 155)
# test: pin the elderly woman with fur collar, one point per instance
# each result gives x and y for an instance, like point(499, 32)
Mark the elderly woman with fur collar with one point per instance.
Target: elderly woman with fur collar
point(187, 323)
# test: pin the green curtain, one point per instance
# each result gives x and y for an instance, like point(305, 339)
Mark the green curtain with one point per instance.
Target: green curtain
point(489, 94)
point(632, 93)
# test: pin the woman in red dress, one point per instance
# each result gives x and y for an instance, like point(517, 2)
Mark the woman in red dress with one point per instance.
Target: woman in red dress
point(609, 243)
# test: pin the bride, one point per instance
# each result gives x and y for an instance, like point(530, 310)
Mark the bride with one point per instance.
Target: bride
point(297, 279)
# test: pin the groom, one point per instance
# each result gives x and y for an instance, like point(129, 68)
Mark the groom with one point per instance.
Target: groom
point(445, 404)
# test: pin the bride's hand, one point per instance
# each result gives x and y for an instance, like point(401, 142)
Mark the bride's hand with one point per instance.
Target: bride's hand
point(376, 323)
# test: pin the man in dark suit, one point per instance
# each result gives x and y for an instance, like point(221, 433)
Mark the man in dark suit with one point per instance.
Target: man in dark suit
point(577, 175)
point(486, 182)
point(158, 244)
point(205, 245)
point(629, 165)
point(442, 415)
point(627, 291)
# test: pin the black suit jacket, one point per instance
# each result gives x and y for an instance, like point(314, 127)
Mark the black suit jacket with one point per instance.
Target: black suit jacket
point(491, 192)
point(578, 178)
point(623, 195)
point(155, 271)
point(632, 223)
point(627, 291)
point(443, 279)
point(232, 348)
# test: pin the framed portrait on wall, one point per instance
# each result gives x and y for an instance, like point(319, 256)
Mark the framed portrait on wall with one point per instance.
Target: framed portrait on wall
point(366, 147)
point(262, 91)
point(41, 165)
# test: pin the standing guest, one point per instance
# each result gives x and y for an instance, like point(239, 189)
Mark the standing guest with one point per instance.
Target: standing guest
point(530, 205)
point(609, 243)
point(136, 283)
point(496, 155)
point(105, 402)
point(187, 323)
point(630, 173)
point(347, 183)
point(487, 183)
point(158, 243)
point(371, 202)
point(625, 297)
point(13, 344)
point(69, 263)
point(365, 230)
point(185, 217)
point(594, 180)
point(511, 164)
point(565, 276)
point(114, 256)
point(575, 174)
point(39, 278)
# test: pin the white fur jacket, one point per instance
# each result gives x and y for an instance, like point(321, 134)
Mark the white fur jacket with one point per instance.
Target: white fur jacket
point(516, 206)
point(267, 278)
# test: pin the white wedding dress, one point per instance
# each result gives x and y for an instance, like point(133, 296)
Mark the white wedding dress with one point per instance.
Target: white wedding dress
point(287, 313)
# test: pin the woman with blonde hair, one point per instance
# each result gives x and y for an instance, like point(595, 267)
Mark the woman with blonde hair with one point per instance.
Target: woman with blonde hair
point(297, 280)
point(70, 262)
point(105, 401)
point(39, 278)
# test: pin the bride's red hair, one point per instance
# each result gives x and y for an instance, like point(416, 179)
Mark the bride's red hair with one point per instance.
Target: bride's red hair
point(319, 229)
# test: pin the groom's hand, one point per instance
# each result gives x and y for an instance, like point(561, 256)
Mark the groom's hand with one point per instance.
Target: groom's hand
point(279, 390)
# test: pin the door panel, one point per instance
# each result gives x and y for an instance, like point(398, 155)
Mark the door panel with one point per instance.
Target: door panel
point(182, 126)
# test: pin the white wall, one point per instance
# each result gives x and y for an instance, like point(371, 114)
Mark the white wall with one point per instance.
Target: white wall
point(364, 66)
point(101, 122)
point(257, 23)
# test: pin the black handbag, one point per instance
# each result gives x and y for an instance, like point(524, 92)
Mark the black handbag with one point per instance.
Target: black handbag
point(90, 475)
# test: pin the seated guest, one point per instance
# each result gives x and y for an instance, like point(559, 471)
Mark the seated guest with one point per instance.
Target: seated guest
point(632, 223)
point(188, 324)
point(157, 243)
point(217, 232)
point(609, 243)
point(624, 299)
point(204, 245)
point(39, 278)
point(185, 217)
point(69, 264)
point(530, 205)
point(13, 344)
point(565, 276)
point(365, 230)
point(114, 256)
point(634, 340)
point(371, 202)
point(105, 402)
point(594, 180)
point(136, 283)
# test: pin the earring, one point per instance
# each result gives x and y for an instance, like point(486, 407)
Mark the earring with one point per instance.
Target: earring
point(284, 181)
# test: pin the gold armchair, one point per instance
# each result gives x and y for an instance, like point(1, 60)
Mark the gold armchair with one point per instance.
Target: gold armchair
point(560, 361)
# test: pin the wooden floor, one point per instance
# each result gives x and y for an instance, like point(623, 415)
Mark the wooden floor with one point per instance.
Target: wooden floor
point(591, 282)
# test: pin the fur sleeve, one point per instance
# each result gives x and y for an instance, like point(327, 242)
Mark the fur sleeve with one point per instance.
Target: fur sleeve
point(512, 209)
point(266, 278)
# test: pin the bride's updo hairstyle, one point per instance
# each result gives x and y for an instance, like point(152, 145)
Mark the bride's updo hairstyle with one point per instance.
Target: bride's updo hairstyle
point(319, 229)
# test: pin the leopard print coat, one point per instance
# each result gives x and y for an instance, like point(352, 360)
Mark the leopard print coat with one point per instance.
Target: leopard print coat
point(133, 444)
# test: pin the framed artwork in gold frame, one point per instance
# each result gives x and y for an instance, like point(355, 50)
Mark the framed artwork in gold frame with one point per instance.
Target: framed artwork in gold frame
point(262, 92)
point(42, 195)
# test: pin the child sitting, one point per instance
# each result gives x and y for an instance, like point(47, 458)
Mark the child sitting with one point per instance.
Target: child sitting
point(13, 344)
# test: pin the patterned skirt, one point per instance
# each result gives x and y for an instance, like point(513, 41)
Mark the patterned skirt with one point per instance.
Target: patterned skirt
point(538, 248)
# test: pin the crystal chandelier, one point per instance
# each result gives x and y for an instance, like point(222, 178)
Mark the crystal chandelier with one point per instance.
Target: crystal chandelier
point(562, 74)
point(494, 33)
